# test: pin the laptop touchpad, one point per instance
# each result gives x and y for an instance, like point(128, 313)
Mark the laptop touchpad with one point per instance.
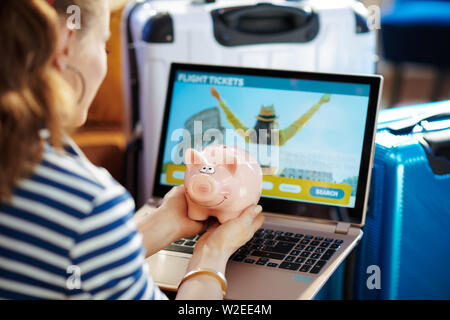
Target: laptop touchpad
point(167, 270)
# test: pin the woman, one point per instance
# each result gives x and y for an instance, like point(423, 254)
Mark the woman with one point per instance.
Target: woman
point(67, 229)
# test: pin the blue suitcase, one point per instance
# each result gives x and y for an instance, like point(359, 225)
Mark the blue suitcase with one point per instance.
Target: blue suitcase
point(334, 288)
point(407, 228)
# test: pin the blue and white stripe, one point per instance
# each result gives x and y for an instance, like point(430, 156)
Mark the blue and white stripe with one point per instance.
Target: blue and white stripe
point(71, 213)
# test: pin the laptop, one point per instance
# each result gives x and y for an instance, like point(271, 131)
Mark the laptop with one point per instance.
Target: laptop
point(316, 162)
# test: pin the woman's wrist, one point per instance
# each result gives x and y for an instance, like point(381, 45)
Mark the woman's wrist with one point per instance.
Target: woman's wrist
point(171, 225)
point(157, 232)
point(204, 286)
point(200, 287)
point(209, 258)
point(211, 273)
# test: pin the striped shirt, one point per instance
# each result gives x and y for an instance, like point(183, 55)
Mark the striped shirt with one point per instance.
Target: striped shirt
point(68, 233)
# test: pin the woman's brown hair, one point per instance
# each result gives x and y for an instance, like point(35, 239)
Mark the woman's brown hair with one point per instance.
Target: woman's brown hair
point(33, 95)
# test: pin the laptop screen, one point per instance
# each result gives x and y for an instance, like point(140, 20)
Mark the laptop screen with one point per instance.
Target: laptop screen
point(307, 132)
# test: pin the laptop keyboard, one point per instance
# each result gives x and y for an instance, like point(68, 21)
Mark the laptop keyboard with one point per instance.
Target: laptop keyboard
point(286, 250)
point(185, 245)
point(278, 249)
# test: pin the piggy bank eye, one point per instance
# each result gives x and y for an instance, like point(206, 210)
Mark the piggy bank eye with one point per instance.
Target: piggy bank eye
point(204, 169)
point(211, 170)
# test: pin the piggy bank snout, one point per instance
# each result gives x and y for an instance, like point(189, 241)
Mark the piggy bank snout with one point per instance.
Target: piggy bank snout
point(202, 187)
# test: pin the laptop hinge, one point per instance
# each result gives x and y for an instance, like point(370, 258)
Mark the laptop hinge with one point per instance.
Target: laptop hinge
point(342, 228)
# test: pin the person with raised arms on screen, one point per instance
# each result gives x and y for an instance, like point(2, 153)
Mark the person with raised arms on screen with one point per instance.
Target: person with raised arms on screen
point(267, 121)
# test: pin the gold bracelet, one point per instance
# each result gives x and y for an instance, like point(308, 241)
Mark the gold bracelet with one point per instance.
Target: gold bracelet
point(210, 272)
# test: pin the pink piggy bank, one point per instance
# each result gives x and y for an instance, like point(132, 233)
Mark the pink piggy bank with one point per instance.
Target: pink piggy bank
point(221, 181)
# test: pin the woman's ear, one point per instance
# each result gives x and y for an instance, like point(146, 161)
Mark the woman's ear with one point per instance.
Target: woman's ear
point(63, 47)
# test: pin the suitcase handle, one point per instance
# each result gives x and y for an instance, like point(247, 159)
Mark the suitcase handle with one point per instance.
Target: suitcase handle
point(436, 145)
point(266, 18)
point(433, 133)
point(407, 126)
point(264, 23)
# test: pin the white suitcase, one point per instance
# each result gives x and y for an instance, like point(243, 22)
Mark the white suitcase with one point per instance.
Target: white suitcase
point(315, 35)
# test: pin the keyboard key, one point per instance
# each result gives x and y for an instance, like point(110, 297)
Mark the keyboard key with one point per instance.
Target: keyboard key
point(325, 257)
point(329, 240)
point(288, 239)
point(335, 246)
point(243, 251)
point(249, 261)
point(304, 241)
point(256, 247)
point(190, 243)
point(305, 268)
point(269, 255)
point(300, 247)
point(268, 231)
point(305, 254)
point(179, 242)
point(258, 241)
point(339, 241)
point(315, 243)
point(318, 238)
point(289, 258)
point(288, 234)
point(315, 256)
point(300, 260)
point(290, 265)
point(310, 248)
point(324, 244)
point(320, 263)
point(283, 247)
point(330, 252)
point(315, 270)
point(320, 250)
point(298, 235)
point(269, 236)
point(279, 233)
point(270, 242)
point(177, 248)
point(239, 257)
point(310, 261)
point(308, 237)
point(262, 261)
point(295, 252)
point(273, 265)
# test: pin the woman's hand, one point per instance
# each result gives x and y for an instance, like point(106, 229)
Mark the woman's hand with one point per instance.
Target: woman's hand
point(213, 250)
point(220, 241)
point(174, 208)
point(160, 227)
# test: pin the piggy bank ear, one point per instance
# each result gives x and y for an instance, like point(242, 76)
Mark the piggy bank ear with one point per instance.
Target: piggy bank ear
point(192, 156)
point(231, 164)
